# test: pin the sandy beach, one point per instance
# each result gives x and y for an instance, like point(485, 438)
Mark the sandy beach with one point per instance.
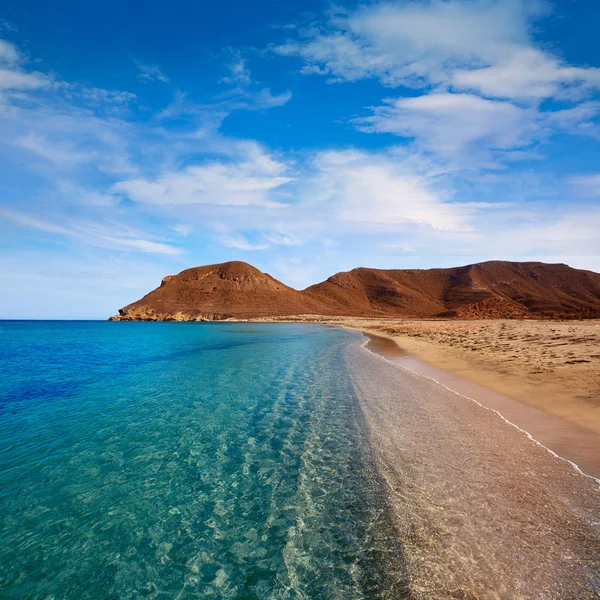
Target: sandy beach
point(482, 511)
point(553, 366)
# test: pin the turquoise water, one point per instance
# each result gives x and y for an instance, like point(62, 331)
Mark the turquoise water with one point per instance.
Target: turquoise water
point(184, 460)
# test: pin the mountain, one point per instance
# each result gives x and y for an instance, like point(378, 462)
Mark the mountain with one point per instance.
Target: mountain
point(215, 292)
point(494, 289)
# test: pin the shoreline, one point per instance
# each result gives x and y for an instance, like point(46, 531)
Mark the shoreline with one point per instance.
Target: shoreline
point(575, 445)
point(477, 505)
point(552, 403)
point(553, 366)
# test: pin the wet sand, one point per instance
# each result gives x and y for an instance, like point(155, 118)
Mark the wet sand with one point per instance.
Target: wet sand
point(551, 365)
point(481, 510)
point(543, 376)
point(576, 444)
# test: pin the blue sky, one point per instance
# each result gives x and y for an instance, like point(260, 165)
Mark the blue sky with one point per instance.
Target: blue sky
point(140, 139)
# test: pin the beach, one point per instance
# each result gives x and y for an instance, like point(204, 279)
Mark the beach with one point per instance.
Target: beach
point(551, 365)
point(541, 376)
point(482, 510)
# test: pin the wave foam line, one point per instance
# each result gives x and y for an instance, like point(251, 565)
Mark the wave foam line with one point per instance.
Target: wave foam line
point(570, 462)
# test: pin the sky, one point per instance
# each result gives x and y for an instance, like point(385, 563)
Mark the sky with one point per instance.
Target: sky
point(138, 139)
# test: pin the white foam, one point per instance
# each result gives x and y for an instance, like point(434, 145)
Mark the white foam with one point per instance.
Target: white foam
point(417, 374)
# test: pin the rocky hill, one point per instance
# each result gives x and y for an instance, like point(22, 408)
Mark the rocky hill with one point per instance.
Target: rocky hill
point(216, 292)
point(494, 289)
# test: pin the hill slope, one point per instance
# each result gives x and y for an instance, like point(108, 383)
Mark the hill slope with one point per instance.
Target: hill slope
point(494, 289)
point(221, 291)
point(490, 289)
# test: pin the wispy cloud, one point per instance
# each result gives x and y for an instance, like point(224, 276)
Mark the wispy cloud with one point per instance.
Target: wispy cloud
point(95, 159)
point(247, 93)
point(113, 236)
point(61, 153)
point(182, 229)
point(150, 72)
point(248, 181)
point(451, 124)
point(282, 238)
point(528, 73)
point(239, 74)
point(384, 190)
point(479, 76)
point(481, 45)
point(587, 184)
point(239, 242)
point(9, 53)
point(13, 77)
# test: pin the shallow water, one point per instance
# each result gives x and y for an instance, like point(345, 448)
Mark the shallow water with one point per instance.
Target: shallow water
point(168, 460)
point(268, 461)
point(482, 511)
point(579, 445)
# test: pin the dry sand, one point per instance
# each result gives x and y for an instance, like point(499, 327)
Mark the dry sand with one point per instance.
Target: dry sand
point(551, 365)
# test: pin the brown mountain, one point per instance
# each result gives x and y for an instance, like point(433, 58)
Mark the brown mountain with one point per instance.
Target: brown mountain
point(228, 290)
point(489, 289)
point(494, 289)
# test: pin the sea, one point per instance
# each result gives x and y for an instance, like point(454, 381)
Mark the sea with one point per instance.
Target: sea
point(269, 461)
point(187, 460)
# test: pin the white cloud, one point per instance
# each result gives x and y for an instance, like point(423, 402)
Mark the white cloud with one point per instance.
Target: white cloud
point(550, 234)
point(212, 115)
point(9, 53)
point(18, 80)
point(62, 153)
point(7, 26)
point(280, 238)
point(405, 247)
point(450, 124)
point(80, 195)
point(384, 190)
point(32, 222)
point(528, 73)
point(242, 96)
point(182, 229)
point(579, 119)
point(246, 99)
point(12, 76)
point(248, 181)
point(61, 134)
point(413, 43)
point(486, 77)
point(339, 56)
point(265, 99)
point(480, 45)
point(97, 97)
point(103, 156)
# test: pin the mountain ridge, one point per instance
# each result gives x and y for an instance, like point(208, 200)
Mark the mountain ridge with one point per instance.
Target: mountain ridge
point(491, 289)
